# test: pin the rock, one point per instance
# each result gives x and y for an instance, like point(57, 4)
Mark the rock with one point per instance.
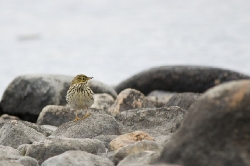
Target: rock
point(183, 100)
point(135, 149)
point(106, 139)
point(129, 138)
point(94, 125)
point(129, 99)
point(143, 158)
point(159, 98)
point(179, 79)
point(15, 133)
point(102, 101)
point(216, 129)
point(50, 147)
point(43, 130)
point(50, 128)
point(55, 115)
point(27, 95)
point(6, 150)
point(5, 118)
point(23, 148)
point(77, 158)
point(15, 160)
point(158, 122)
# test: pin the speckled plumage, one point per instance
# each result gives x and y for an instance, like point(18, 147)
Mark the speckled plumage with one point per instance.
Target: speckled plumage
point(80, 96)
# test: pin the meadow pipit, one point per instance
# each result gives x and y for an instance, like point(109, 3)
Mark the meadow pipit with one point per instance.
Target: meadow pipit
point(80, 96)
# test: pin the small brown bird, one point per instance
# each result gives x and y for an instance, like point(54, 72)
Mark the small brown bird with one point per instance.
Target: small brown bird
point(80, 96)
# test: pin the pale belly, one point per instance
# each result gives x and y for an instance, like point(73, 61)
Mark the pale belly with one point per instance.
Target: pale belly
point(79, 101)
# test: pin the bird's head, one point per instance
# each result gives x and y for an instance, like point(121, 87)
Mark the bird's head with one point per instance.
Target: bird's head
point(81, 78)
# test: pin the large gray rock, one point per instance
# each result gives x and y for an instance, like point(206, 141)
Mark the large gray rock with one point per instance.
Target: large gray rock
point(179, 79)
point(15, 133)
point(77, 158)
point(7, 150)
point(53, 146)
point(133, 149)
point(129, 99)
point(216, 130)
point(27, 95)
point(16, 160)
point(158, 122)
point(94, 125)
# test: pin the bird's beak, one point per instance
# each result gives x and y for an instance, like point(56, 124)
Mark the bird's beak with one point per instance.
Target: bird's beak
point(90, 78)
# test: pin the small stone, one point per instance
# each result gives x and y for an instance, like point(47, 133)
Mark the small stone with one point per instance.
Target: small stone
point(7, 150)
point(129, 138)
point(102, 101)
point(159, 98)
point(17, 160)
point(129, 99)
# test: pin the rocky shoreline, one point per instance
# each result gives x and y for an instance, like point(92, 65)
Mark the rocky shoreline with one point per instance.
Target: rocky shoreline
point(164, 116)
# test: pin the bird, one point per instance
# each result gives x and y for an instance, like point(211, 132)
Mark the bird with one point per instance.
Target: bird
point(80, 96)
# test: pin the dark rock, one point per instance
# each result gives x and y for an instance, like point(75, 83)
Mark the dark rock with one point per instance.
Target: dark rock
point(15, 160)
point(27, 95)
point(106, 139)
point(179, 79)
point(158, 122)
point(94, 125)
point(6, 150)
point(102, 101)
point(77, 158)
point(129, 99)
point(183, 100)
point(159, 98)
point(134, 149)
point(54, 146)
point(216, 130)
point(15, 133)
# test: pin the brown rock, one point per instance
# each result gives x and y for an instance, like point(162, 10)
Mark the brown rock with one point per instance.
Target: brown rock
point(129, 138)
point(129, 99)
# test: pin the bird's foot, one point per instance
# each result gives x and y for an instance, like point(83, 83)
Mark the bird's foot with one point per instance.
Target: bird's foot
point(76, 119)
point(85, 116)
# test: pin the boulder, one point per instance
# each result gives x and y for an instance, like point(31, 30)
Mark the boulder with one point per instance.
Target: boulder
point(17, 160)
point(77, 158)
point(129, 138)
point(159, 98)
point(94, 125)
point(129, 99)
point(158, 122)
point(179, 79)
point(50, 147)
point(216, 129)
point(27, 95)
point(15, 133)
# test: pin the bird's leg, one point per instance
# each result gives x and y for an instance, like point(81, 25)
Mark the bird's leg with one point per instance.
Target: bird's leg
point(77, 118)
point(86, 115)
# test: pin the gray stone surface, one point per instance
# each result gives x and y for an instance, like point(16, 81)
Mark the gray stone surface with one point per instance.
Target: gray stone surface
point(50, 147)
point(158, 122)
point(179, 79)
point(129, 99)
point(7, 150)
point(5, 118)
point(159, 98)
point(133, 149)
point(16, 160)
point(94, 125)
point(27, 95)
point(15, 133)
point(106, 139)
point(77, 158)
point(183, 100)
point(103, 101)
point(216, 129)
